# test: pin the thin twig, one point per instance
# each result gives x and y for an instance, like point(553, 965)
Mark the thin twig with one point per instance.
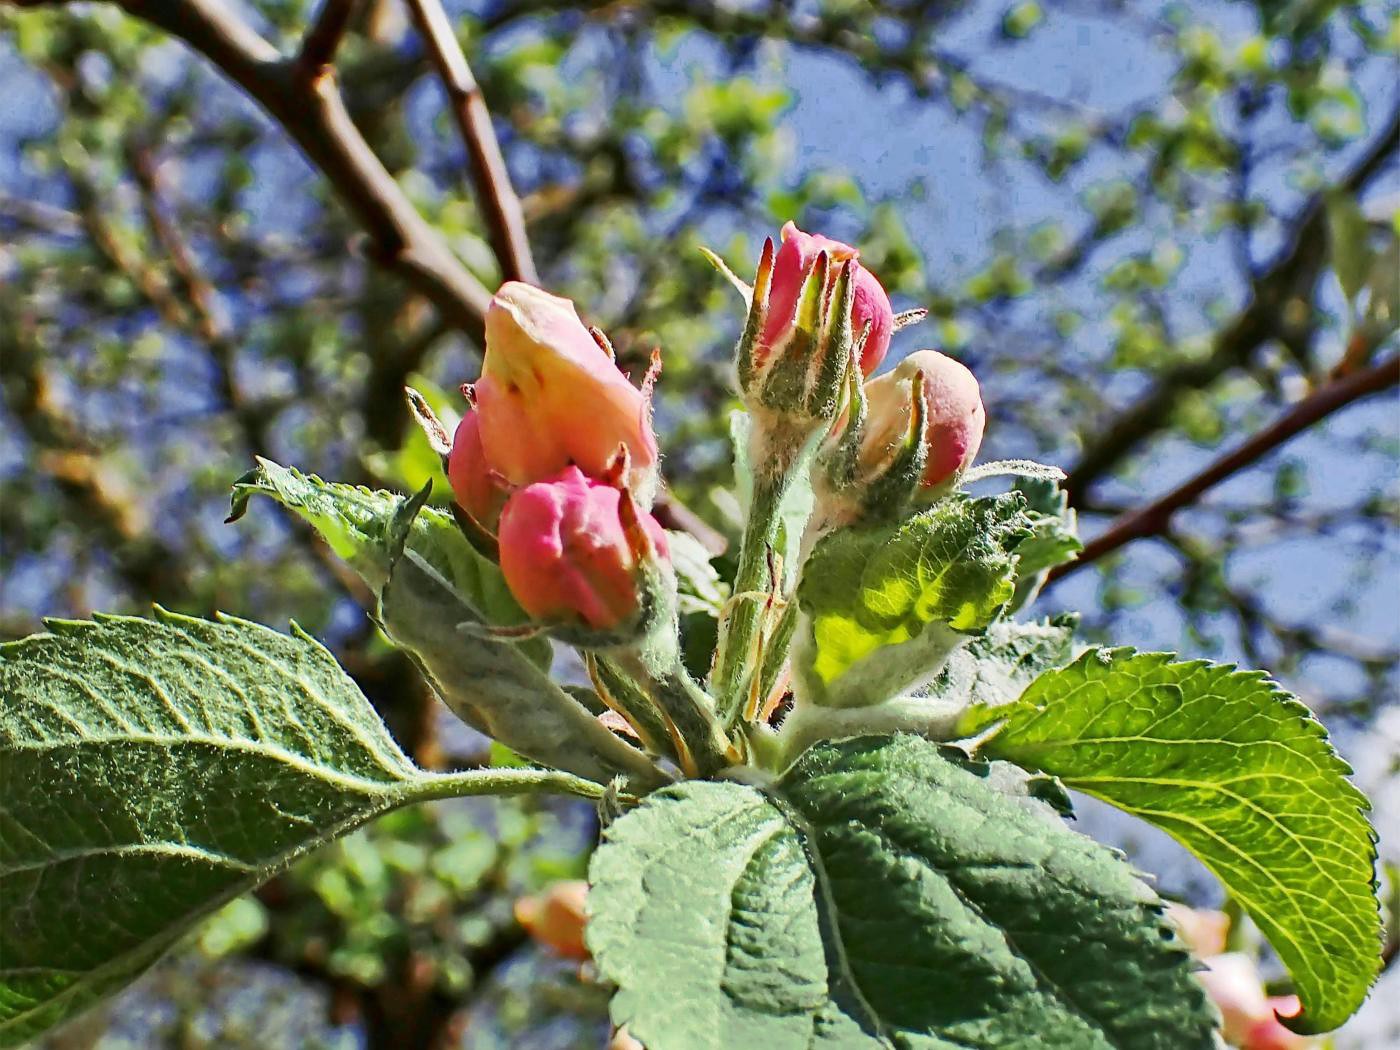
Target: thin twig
point(495, 196)
point(311, 110)
point(1291, 275)
point(323, 38)
point(1154, 518)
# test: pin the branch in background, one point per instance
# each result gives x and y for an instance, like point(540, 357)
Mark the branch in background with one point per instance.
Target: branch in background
point(323, 38)
point(1155, 518)
point(312, 111)
point(1290, 277)
point(495, 196)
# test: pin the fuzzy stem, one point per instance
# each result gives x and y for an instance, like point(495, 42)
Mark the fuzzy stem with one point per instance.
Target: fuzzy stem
point(702, 747)
point(739, 628)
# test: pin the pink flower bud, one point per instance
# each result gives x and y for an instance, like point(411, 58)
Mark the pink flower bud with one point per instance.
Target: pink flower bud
point(1247, 1014)
point(574, 551)
point(550, 395)
point(793, 263)
point(953, 422)
point(479, 490)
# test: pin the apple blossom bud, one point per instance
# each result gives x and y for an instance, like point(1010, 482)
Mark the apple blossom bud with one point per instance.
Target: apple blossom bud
point(478, 489)
point(550, 395)
point(792, 266)
point(904, 440)
point(953, 416)
point(556, 917)
point(577, 553)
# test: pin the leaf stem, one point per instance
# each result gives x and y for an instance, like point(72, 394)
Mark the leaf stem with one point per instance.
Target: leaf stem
point(498, 782)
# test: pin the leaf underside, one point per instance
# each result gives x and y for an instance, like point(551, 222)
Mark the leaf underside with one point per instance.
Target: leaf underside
point(881, 894)
point(1240, 773)
point(150, 770)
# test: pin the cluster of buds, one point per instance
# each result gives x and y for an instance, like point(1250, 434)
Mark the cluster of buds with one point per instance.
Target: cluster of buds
point(819, 323)
point(556, 463)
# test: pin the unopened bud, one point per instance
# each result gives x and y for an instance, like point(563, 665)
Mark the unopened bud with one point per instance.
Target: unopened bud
point(478, 489)
point(793, 265)
point(556, 917)
point(550, 395)
point(577, 553)
point(906, 438)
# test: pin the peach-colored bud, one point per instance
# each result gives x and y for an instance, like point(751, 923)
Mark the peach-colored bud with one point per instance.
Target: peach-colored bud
point(569, 556)
point(550, 395)
point(1203, 930)
point(556, 917)
point(478, 489)
point(793, 263)
point(953, 422)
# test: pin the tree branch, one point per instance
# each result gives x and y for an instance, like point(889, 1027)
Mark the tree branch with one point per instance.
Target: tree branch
point(310, 108)
point(1154, 519)
point(323, 38)
point(1291, 276)
point(495, 196)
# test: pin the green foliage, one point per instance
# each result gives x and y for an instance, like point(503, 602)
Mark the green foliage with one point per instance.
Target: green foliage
point(155, 769)
point(883, 605)
point(881, 893)
point(1240, 773)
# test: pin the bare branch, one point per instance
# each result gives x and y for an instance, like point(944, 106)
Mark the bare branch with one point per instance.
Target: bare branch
point(1155, 518)
point(495, 195)
point(1291, 276)
point(313, 113)
point(322, 39)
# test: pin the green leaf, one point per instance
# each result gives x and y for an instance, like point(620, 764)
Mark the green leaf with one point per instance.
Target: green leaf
point(492, 686)
point(1350, 238)
point(1240, 773)
point(152, 770)
point(882, 893)
point(1053, 540)
point(883, 606)
point(698, 584)
point(355, 522)
point(996, 667)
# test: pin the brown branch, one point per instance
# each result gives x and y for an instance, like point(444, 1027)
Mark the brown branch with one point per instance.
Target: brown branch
point(495, 196)
point(310, 108)
point(1154, 519)
point(323, 38)
point(1291, 277)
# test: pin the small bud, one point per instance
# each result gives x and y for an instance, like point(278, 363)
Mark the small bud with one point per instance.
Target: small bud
point(577, 553)
point(909, 434)
point(550, 395)
point(953, 416)
point(478, 489)
point(1247, 1013)
point(793, 266)
point(556, 917)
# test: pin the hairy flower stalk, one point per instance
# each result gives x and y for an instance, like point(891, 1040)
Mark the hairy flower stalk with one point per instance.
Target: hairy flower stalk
point(795, 359)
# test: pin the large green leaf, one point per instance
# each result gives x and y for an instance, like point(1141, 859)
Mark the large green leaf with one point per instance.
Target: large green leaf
point(883, 606)
point(1241, 774)
point(150, 770)
point(882, 893)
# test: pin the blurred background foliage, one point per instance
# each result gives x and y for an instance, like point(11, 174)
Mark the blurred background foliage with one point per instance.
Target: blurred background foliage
point(1149, 228)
